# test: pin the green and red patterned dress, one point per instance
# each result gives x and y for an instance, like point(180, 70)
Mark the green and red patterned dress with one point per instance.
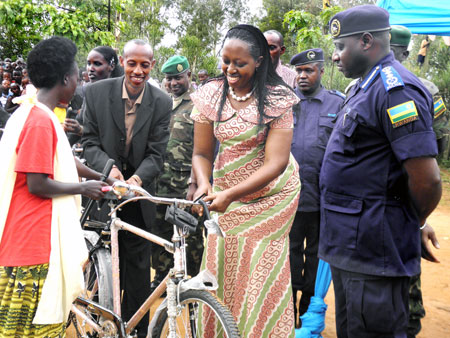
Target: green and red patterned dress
point(251, 263)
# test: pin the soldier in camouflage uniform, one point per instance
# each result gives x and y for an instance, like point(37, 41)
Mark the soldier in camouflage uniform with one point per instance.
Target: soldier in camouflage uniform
point(400, 38)
point(174, 180)
point(441, 117)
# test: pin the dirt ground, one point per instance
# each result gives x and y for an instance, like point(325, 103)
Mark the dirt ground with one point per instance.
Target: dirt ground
point(435, 277)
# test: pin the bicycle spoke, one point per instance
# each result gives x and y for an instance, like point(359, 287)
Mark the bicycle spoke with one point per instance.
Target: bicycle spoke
point(199, 312)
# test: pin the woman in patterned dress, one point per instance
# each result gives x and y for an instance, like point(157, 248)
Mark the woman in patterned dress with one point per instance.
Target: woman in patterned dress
point(255, 191)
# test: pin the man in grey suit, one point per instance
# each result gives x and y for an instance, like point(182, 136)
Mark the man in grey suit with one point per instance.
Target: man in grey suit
point(127, 119)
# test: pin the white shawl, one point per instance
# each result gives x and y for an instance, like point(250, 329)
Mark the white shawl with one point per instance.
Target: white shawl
point(64, 280)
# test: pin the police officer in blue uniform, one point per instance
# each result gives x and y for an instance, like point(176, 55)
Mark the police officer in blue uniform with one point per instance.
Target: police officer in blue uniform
point(379, 179)
point(399, 42)
point(314, 119)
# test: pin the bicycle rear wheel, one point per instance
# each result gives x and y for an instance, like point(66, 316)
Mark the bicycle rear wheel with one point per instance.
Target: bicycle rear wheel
point(98, 286)
point(199, 308)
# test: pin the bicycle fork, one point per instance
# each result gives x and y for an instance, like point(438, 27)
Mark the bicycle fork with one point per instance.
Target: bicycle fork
point(172, 308)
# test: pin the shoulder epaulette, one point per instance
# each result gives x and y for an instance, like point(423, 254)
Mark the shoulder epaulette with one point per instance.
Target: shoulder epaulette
point(391, 78)
point(338, 93)
point(373, 74)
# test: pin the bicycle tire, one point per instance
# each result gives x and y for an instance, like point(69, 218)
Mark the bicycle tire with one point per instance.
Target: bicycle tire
point(100, 270)
point(209, 304)
point(98, 285)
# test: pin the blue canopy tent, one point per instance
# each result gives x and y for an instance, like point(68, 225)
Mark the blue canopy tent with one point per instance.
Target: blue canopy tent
point(421, 17)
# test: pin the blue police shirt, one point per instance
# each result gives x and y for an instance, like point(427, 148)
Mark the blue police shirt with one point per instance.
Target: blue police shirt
point(368, 222)
point(314, 119)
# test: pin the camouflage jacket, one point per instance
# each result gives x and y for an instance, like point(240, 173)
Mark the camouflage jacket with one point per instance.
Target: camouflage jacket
point(441, 114)
point(441, 118)
point(177, 164)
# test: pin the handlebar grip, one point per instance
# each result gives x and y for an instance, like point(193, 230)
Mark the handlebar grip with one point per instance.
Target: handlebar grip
point(205, 209)
point(107, 169)
point(90, 204)
point(106, 189)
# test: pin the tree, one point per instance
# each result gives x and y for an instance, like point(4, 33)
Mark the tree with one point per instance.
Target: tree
point(24, 23)
point(199, 58)
point(145, 19)
point(311, 31)
point(272, 17)
point(207, 19)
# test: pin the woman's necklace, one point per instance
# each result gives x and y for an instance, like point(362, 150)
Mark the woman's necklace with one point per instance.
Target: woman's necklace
point(241, 98)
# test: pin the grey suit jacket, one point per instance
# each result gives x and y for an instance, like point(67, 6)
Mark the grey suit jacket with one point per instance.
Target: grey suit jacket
point(104, 129)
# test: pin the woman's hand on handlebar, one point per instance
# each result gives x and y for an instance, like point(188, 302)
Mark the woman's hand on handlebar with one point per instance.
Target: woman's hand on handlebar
point(93, 189)
point(202, 190)
point(220, 201)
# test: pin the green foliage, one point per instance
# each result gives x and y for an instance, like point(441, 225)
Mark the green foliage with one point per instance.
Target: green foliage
point(144, 19)
point(161, 56)
point(207, 19)
point(436, 67)
point(24, 23)
point(333, 79)
point(310, 31)
point(202, 24)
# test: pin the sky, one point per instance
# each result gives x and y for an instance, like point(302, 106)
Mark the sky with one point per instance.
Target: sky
point(254, 6)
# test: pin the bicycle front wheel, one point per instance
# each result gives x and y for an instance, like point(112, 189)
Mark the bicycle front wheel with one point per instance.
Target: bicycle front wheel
point(98, 274)
point(199, 313)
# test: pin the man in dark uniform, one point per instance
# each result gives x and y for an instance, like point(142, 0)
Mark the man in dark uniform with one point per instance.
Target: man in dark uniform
point(313, 122)
point(174, 179)
point(127, 119)
point(399, 42)
point(379, 179)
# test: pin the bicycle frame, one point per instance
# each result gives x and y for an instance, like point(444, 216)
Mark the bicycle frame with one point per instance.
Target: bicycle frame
point(117, 225)
point(177, 272)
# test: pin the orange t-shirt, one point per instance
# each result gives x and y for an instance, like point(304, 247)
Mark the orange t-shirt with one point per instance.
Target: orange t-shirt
point(27, 232)
point(423, 47)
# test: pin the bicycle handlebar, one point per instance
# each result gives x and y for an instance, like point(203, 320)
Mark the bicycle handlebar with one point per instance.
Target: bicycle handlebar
point(124, 190)
point(174, 214)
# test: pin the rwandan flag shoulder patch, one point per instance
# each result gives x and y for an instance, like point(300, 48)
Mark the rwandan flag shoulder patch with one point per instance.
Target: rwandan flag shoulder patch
point(439, 107)
point(403, 114)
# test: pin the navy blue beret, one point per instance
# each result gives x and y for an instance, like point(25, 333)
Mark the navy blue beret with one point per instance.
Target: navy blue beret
point(359, 19)
point(307, 56)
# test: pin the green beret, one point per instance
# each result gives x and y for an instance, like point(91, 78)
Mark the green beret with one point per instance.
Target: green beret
point(176, 64)
point(400, 36)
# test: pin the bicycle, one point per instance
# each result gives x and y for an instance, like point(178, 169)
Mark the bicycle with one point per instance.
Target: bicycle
point(189, 304)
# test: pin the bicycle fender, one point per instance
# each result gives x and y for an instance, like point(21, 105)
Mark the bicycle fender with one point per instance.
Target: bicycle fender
point(161, 308)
